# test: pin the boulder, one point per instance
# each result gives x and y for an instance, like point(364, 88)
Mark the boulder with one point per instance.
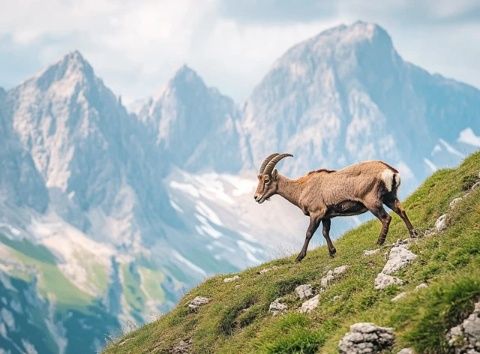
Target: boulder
point(197, 302)
point(310, 304)
point(383, 281)
point(304, 291)
point(276, 307)
point(229, 280)
point(465, 338)
point(366, 338)
point(398, 258)
point(441, 223)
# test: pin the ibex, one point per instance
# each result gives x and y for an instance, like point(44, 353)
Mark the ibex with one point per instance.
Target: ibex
point(325, 194)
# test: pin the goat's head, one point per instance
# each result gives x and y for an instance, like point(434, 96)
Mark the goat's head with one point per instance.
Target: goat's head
point(268, 177)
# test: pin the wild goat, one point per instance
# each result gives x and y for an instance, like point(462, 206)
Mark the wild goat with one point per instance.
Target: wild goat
point(325, 194)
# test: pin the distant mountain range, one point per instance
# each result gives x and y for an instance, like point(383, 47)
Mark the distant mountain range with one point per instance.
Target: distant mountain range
point(108, 216)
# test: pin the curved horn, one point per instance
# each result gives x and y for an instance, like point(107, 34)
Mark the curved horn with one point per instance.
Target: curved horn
point(271, 164)
point(265, 162)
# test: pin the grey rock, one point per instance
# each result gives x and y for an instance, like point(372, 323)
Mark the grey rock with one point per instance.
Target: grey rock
point(367, 253)
point(441, 223)
point(332, 275)
point(398, 258)
point(310, 305)
point(266, 270)
point(406, 351)
point(455, 202)
point(229, 280)
point(383, 281)
point(197, 302)
point(276, 307)
point(421, 286)
point(399, 296)
point(366, 338)
point(465, 338)
point(304, 291)
point(475, 186)
point(183, 347)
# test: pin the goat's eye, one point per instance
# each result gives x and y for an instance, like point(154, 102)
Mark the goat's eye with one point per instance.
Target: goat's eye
point(267, 181)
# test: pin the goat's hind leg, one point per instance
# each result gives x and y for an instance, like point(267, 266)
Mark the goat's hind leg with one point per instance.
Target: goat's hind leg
point(378, 210)
point(396, 206)
point(326, 233)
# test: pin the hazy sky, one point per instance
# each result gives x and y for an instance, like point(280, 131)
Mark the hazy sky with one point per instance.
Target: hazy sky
point(136, 46)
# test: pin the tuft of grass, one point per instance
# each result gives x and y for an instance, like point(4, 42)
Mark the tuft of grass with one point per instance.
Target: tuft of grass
point(229, 320)
point(445, 307)
point(236, 320)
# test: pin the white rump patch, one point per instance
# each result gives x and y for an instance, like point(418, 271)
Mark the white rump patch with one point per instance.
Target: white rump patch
point(387, 178)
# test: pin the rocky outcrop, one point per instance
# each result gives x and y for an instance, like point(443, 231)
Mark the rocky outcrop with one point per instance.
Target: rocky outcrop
point(309, 305)
point(383, 281)
point(332, 275)
point(398, 258)
point(277, 307)
point(441, 223)
point(304, 291)
point(197, 302)
point(366, 338)
point(465, 338)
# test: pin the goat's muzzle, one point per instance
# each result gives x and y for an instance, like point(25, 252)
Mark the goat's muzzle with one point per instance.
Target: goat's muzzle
point(259, 198)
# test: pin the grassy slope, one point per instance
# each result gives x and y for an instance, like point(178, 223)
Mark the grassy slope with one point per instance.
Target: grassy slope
point(237, 319)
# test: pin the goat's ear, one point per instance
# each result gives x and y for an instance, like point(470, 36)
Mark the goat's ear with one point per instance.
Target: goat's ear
point(275, 174)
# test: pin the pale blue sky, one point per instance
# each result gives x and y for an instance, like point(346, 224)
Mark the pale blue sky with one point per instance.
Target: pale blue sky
point(136, 46)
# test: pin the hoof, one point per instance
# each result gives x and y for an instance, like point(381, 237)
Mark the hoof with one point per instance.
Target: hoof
point(414, 234)
point(332, 252)
point(380, 242)
point(299, 258)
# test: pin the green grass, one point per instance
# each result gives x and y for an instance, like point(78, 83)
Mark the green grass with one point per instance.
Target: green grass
point(237, 319)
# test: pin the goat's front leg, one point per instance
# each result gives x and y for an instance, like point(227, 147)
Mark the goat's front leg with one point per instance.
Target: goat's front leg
point(326, 233)
point(314, 222)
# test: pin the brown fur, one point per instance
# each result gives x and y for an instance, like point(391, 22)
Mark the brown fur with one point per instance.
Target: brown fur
point(325, 194)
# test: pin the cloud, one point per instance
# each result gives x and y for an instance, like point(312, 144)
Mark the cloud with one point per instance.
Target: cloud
point(467, 136)
point(276, 11)
point(136, 46)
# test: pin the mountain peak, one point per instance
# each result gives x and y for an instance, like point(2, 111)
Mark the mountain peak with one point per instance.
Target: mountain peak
point(356, 33)
point(72, 67)
point(186, 79)
point(186, 74)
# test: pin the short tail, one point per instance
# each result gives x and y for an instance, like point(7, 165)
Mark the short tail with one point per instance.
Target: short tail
point(391, 179)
